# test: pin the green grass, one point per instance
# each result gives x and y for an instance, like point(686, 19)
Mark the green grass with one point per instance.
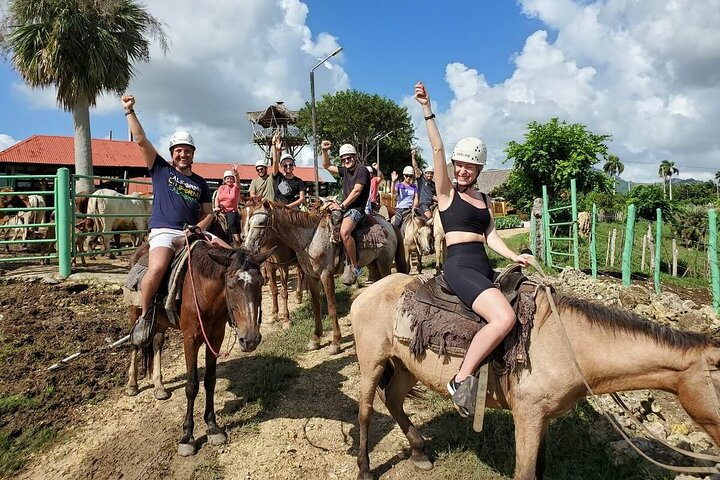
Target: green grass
point(16, 446)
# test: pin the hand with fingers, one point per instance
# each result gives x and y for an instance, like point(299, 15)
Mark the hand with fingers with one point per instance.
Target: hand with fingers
point(523, 259)
point(128, 102)
point(394, 176)
point(277, 140)
point(421, 94)
point(326, 145)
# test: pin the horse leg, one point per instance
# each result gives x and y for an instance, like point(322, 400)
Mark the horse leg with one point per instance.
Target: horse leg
point(284, 271)
point(131, 389)
point(395, 391)
point(314, 286)
point(300, 285)
point(374, 273)
point(215, 434)
point(419, 261)
point(370, 373)
point(328, 282)
point(530, 426)
point(186, 446)
point(272, 283)
point(159, 391)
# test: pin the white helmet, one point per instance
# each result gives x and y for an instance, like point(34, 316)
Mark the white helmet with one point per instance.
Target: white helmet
point(286, 156)
point(181, 138)
point(429, 168)
point(228, 173)
point(370, 169)
point(260, 163)
point(347, 149)
point(470, 150)
point(409, 171)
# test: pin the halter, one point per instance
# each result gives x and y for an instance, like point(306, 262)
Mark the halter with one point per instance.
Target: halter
point(271, 225)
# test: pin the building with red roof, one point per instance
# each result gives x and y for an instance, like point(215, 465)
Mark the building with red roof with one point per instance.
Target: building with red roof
point(44, 154)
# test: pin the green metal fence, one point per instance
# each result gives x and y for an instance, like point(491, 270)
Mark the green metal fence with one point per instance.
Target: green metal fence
point(551, 229)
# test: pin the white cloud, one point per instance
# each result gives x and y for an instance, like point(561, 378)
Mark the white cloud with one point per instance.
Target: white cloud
point(645, 72)
point(6, 141)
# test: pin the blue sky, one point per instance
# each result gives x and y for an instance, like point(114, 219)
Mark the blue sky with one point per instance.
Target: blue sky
point(643, 71)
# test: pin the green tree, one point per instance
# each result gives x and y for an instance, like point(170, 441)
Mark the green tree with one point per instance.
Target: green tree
point(647, 199)
point(552, 154)
point(82, 47)
point(613, 167)
point(359, 118)
point(666, 171)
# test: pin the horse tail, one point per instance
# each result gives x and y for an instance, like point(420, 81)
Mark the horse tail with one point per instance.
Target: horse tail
point(400, 262)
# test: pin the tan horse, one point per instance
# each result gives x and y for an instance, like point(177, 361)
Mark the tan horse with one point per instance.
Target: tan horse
point(417, 239)
point(276, 267)
point(309, 236)
point(614, 349)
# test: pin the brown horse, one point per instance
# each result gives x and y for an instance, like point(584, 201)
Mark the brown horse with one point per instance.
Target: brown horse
point(439, 240)
point(309, 236)
point(222, 284)
point(615, 351)
point(277, 266)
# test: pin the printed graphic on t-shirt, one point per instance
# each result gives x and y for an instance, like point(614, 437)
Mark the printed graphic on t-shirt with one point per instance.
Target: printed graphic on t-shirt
point(285, 189)
point(186, 190)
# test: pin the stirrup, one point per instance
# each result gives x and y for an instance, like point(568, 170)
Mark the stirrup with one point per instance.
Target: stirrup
point(142, 332)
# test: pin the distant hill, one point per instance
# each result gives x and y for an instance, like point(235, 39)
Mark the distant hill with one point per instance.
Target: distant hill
point(623, 185)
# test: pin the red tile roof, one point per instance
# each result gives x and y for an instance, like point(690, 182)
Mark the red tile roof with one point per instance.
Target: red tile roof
point(60, 151)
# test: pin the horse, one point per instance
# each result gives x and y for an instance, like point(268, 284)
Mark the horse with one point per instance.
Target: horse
point(309, 236)
point(417, 235)
point(615, 350)
point(277, 266)
point(220, 284)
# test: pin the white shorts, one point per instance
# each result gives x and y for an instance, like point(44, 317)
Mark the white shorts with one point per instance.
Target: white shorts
point(163, 237)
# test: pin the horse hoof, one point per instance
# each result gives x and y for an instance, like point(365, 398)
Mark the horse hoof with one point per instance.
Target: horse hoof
point(313, 345)
point(286, 325)
point(422, 462)
point(333, 349)
point(161, 394)
point(365, 476)
point(186, 449)
point(131, 391)
point(217, 438)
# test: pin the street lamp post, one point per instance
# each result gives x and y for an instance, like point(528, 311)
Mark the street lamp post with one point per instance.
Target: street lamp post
point(314, 118)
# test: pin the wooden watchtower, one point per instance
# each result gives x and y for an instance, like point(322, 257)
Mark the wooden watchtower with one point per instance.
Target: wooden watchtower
point(277, 117)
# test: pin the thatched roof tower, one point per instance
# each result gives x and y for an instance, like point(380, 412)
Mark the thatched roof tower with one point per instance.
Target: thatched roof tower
point(274, 117)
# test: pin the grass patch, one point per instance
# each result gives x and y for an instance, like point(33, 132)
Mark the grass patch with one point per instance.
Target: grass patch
point(15, 447)
point(13, 403)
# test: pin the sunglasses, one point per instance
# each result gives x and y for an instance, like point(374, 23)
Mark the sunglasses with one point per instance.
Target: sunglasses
point(407, 176)
point(288, 165)
point(347, 160)
point(260, 169)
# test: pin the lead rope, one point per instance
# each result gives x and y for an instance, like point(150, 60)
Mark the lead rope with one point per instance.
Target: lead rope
point(533, 262)
point(197, 306)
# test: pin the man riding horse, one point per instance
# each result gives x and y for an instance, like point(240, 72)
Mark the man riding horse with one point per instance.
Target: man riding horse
point(356, 191)
point(426, 187)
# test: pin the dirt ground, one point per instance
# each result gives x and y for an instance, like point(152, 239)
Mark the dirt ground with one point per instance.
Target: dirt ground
point(310, 431)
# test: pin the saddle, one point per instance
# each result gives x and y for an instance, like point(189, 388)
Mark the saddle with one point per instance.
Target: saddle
point(169, 293)
point(438, 320)
point(368, 233)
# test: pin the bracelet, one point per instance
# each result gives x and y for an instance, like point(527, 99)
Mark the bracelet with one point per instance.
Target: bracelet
point(129, 112)
point(430, 117)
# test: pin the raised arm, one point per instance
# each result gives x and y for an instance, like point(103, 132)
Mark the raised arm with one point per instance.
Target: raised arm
point(138, 133)
point(325, 147)
point(443, 185)
point(415, 166)
point(276, 149)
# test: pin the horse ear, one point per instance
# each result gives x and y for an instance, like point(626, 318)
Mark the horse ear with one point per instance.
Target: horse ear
point(259, 258)
point(224, 260)
point(266, 204)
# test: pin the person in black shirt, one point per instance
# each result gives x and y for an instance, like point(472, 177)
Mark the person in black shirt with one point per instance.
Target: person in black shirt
point(289, 189)
point(426, 187)
point(356, 191)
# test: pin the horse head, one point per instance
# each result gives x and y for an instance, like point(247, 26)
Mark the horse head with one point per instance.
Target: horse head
point(243, 293)
point(258, 224)
point(423, 235)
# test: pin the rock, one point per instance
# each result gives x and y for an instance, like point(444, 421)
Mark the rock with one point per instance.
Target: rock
point(634, 295)
point(657, 429)
point(695, 321)
point(679, 440)
point(700, 441)
point(667, 306)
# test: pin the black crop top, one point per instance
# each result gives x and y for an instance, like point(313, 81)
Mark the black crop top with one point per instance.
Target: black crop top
point(461, 216)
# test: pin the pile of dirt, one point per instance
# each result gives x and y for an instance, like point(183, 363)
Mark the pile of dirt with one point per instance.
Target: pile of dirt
point(39, 325)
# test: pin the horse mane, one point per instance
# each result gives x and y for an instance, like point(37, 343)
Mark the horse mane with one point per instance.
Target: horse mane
point(623, 321)
point(209, 268)
point(295, 217)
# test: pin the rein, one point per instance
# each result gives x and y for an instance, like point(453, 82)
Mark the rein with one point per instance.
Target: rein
point(197, 306)
point(621, 404)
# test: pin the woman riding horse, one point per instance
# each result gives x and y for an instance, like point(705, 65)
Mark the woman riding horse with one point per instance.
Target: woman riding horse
point(466, 218)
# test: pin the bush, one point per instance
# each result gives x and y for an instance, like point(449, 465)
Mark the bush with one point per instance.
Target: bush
point(502, 223)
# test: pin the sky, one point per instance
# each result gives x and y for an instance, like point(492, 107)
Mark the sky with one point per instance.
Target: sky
point(646, 72)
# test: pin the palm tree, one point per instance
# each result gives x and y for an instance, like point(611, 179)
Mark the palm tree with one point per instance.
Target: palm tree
point(83, 48)
point(666, 171)
point(613, 167)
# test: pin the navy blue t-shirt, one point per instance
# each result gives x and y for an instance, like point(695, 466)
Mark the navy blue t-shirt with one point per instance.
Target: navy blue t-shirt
point(349, 178)
point(177, 197)
point(427, 190)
